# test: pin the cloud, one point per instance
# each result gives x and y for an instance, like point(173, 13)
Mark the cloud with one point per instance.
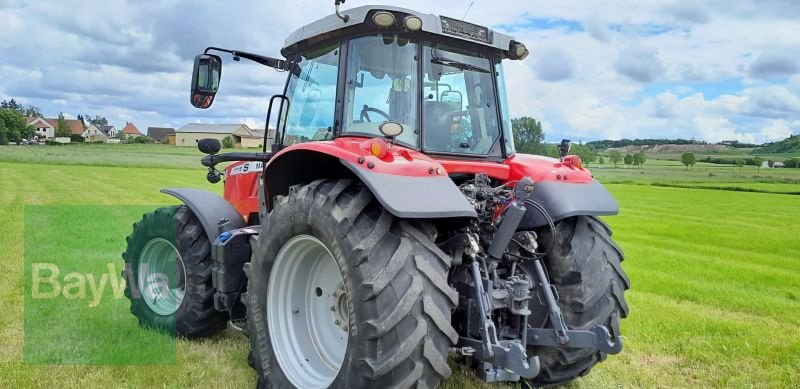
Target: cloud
point(688, 11)
point(777, 129)
point(595, 72)
point(597, 29)
point(773, 65)
point(553, 65)
point(639, 63)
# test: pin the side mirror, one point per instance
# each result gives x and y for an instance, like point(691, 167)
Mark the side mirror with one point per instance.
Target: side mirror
point(563, 149)
point(209, 146)
point(205, 80)
point(454, 98)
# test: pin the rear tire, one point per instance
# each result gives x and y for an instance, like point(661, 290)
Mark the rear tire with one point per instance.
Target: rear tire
point(173, 231)
point(585, 267)
point(397, 299)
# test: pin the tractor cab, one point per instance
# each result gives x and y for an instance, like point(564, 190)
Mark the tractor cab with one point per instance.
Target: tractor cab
point(426, 82)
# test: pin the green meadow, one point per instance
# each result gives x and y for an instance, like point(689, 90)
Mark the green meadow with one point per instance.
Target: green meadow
point(713, 258)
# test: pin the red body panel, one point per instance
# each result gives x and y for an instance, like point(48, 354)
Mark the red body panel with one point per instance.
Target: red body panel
point(241, 178)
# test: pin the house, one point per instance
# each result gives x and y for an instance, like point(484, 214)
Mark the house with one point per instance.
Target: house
point(130, 130)
point(46, 127)
point(94, 133)
point(160, 134)
point(777, 164)
point(243, 136)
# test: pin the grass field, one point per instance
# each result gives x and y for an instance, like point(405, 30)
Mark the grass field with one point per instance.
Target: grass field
point(715, 298)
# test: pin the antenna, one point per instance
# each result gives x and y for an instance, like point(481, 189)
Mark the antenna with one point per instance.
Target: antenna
point(468, 8)
point(345, 18)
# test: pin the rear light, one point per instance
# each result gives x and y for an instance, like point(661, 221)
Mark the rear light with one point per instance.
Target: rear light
point(376, 147)
point(574, 161)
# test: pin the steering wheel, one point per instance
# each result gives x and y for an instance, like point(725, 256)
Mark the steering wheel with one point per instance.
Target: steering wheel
point(367, 109)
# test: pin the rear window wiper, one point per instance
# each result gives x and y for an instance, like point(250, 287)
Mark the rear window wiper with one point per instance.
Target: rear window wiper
point(458, 65)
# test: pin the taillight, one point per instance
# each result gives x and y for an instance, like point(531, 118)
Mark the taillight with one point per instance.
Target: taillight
point(574, 161)
point(376, 147)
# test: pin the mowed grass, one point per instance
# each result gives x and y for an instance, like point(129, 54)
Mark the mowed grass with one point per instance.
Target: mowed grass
point(715, 298)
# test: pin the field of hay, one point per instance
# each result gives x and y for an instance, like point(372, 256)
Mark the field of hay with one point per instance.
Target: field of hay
point(715, 273)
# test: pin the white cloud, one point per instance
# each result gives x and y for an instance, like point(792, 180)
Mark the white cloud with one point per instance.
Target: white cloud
point(553, 65)
point(777, 129)
point(639, 63)
point(684, 65)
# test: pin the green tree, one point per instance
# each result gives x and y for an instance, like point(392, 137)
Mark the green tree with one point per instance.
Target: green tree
point(14, 127)
point(10, 104)
point(688, 159)
point(640, 158)
point(98, 121)
point(740, 163)
point(3, 133)
point(62, 127)
point(615, 157)
point(770, 163)
point(32, 111)
point(600, 160)
point(628, 159)
point(227, 142)
point(585, 152)
point(528, 135)
point(121, 135)
point(758, 161)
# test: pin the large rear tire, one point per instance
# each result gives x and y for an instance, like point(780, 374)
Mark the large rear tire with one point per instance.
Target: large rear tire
point(585, 267)
point(342, 294)
point(170, 289)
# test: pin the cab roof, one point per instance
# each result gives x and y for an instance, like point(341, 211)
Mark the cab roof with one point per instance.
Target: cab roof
point(332, 26)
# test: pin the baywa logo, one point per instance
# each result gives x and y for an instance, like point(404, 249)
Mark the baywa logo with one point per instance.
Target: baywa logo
point(48, 283)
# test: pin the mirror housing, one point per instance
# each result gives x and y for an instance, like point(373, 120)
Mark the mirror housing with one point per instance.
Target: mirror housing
point(564, 147)
point(209, 146)
point(206, 75)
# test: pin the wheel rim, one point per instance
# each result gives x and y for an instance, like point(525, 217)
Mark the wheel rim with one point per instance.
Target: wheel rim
point(162, 276)
point(307, 313)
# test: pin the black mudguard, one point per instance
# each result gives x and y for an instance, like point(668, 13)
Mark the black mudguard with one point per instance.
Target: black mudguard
point(416, 197)
point(209, 208)
point(563, 200)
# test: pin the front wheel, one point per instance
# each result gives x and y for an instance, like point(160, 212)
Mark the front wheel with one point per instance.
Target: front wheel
point(168, 274)
point(342, 294)
point(585, 267)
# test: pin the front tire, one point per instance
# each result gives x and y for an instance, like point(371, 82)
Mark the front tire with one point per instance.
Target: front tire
point(383, 278)
point(585, 267)
point(168, 274)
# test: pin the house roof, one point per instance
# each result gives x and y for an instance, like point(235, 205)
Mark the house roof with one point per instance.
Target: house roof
point(106, 129)
point(159, 133)
point(130, 129)
point(75, 125)
point(208, 128)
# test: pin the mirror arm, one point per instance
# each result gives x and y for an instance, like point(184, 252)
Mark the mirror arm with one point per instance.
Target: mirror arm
point(263, 60)
point(213, 160)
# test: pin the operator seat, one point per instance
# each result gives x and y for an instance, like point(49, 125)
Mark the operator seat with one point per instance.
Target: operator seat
point(438, 120)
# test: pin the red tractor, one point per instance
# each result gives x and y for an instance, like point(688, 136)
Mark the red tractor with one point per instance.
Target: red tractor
point(388, 221)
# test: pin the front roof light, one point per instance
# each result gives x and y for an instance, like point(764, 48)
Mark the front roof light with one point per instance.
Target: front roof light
point(383, 19)
point(518, 50)
point(412, 23)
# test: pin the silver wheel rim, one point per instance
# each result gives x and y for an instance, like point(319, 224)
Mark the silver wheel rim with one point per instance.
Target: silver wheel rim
point(307, 313)
point(162, 277)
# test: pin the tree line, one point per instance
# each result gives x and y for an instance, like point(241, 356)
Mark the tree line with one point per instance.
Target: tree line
point(529, 139)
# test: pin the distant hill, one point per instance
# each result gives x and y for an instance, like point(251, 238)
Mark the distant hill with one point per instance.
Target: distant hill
point(608, 144)
point(675, 148)
point(788, 145)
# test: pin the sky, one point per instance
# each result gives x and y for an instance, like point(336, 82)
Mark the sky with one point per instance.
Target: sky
point(711, 70)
